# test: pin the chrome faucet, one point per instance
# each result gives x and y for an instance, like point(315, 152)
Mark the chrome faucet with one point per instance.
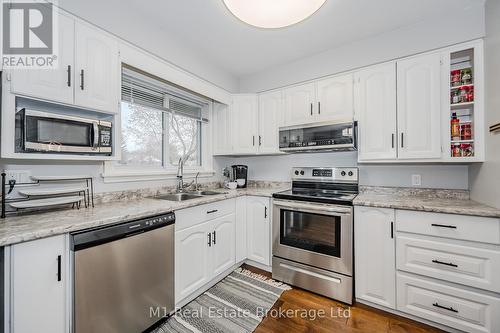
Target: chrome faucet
point(180, 173)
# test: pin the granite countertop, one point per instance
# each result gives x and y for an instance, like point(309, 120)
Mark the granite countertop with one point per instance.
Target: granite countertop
point(437, 201)
point(22, 228)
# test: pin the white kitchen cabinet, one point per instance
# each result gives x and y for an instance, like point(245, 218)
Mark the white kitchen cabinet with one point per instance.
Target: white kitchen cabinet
point(374, 250)
point(241, 229)
point(38, 282)
point(270, 119)
point(51, 84)
point(419, 107)
point(300, 104)
point(244, 119)
point(223, 143)
point(223, 246)
point(259, 230)
point(97, 69)
point(335, 101)
point(375, 96)
point(192, 260)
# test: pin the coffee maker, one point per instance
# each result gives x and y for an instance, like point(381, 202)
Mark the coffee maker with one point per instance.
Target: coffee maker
point(240, 172)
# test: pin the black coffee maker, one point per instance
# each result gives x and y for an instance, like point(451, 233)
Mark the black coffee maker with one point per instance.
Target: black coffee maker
point(240, 172)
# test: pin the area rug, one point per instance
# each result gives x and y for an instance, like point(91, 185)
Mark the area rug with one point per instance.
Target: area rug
point(238, 303)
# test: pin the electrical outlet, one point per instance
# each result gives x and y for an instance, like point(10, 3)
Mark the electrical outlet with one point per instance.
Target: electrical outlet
point(416, 180)
point(20, 176)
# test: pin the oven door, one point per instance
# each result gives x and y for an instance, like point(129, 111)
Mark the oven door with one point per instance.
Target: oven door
point(49, 132)
point(314, 234)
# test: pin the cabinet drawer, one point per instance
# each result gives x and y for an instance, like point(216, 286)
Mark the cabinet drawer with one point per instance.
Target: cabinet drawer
point(471, 228)
point(452, 306)
point(467, 265)
point(188, 217)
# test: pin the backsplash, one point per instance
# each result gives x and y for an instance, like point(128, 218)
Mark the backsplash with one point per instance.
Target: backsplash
point(429, 193)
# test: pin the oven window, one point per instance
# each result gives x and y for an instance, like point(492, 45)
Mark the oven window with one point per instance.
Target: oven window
point(68, 133)
point(313, 232)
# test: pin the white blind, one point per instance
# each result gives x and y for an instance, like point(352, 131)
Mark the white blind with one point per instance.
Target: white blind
point(144, 90)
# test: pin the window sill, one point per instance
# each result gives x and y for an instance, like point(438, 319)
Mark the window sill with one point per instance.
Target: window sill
point(120, 177)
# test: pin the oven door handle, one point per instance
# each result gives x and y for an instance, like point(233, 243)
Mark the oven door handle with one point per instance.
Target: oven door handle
point(313, 207)
point(95, 138)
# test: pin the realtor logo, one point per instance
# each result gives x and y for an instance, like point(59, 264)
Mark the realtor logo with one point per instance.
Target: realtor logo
point(29, 38)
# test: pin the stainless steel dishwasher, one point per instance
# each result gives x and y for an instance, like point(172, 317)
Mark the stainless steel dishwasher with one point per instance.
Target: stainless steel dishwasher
point(124, 275)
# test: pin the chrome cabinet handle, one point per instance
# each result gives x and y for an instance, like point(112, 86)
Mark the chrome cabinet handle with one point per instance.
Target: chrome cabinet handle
point(319, 107)
point(444, 307)
point(392, 230)
point(311, 109)
point(59, 271)
point(260, 140)
point(265, 212)
point(444, 263)
point(392, 140)
point(214, 233)
point(209, 239)
point(253, 140)
point(82, 76)
point(69, 75)
point(212, 211)
point(402, 140)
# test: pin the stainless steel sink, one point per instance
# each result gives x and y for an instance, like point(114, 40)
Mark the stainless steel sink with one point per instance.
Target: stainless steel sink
point(179, 196)
point(206, 192)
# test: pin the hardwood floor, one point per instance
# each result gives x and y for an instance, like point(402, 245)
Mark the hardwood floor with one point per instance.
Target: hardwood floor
point(335, 319)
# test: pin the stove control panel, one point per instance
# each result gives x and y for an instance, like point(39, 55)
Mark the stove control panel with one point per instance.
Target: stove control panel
point(347, 175)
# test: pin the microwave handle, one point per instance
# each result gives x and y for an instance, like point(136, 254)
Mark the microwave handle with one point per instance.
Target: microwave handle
point(95, 138)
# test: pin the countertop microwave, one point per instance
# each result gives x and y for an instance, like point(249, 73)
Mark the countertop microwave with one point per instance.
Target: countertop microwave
point(318, 137)
point(47, 132)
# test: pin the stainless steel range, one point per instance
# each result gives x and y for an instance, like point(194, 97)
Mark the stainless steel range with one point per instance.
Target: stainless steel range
point(313, 231)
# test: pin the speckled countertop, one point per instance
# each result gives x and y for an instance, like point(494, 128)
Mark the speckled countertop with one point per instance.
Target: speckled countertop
point(437, 201)
point(16, 229)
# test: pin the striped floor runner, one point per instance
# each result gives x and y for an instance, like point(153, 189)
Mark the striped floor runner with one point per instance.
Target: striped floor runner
point(236, 304)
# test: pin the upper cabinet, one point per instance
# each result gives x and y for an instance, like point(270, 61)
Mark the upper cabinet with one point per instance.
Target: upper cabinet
point(376, 111)
point(221, 120)
point(88, 73)
point(244, 119)
point(329, 99)
point(419, 107)
point(97, 69)
point(271, 117)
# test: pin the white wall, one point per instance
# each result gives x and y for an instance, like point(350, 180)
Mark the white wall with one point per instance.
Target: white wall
point(433, 33)
point(125, 23)
point(485, 178)
point(277, 168)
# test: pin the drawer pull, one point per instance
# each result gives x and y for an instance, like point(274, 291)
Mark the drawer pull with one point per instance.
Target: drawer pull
point(444, 307)
point(444, 226)
point(212, 211)
point(444, 263)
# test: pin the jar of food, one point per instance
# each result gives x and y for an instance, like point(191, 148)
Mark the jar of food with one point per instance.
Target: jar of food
point(456, 151)
point(466, 76)
point(466, 132)
point(464, 94)
point(455, 127)
point(470, 94)
point(467, 150)
point(456, 78)
point(455, 97)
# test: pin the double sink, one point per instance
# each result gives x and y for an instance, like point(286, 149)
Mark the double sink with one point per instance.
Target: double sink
point(187, 195)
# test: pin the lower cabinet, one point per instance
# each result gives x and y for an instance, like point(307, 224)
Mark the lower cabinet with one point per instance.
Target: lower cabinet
point(202, 252)
point(374, 252)
point(259, 230)
point(37, 299)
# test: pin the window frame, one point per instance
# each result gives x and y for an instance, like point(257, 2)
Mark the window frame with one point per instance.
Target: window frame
point(112, 173)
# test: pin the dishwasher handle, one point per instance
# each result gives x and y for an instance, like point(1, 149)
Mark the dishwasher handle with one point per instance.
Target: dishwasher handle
point(96, 236)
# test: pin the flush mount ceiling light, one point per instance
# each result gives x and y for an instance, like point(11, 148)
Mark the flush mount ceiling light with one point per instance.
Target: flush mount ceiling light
point(271, 14)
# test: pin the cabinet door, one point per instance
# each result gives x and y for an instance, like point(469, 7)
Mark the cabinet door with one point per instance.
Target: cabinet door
point(51, 84)
point(374, 249)
point(335, 100)
point(270, 119)
point(97, 69)
point(300, 104)
point(38, 283)
point(375, 97)
point(419, 111)
point(258, 230)
point(192, 266)
point(244, 117)
point(223, 144)
point(223, 246)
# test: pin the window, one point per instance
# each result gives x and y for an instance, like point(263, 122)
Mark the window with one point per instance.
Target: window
point(160, 125)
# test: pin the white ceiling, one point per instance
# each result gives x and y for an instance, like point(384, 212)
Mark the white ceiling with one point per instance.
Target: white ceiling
point(208, 29)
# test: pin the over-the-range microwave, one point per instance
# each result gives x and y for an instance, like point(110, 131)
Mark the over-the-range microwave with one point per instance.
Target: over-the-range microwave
point(47, 132)
point(318, 137)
